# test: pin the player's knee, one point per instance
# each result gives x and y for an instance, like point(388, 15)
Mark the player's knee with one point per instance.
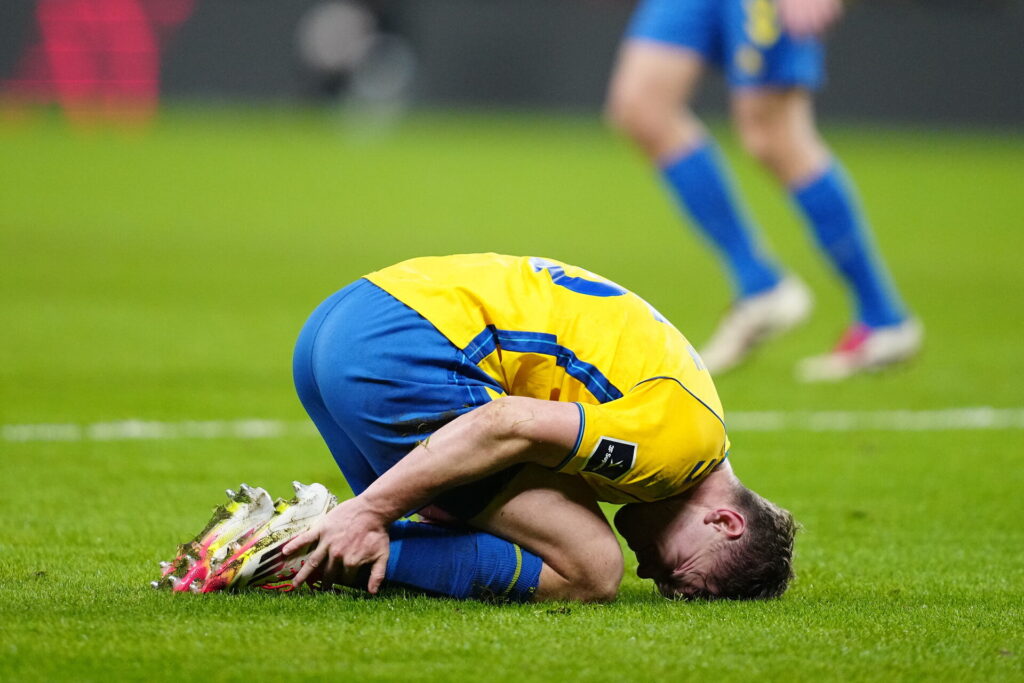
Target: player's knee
point(787, 147)
point(630, 110)
point(603, 588)
point(622, 112)
point(596, 577)
point(761, 141)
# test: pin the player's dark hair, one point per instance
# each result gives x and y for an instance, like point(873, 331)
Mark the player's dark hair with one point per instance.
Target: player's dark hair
point(760, 564)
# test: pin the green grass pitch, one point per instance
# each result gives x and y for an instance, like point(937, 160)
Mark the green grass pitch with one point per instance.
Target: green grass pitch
point(163, 276)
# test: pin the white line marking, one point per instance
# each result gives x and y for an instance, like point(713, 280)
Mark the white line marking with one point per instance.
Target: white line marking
point(950, 419)
point(143, 430)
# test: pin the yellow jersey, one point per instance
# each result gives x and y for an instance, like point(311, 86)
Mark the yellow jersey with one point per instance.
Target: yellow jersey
point(651, 422)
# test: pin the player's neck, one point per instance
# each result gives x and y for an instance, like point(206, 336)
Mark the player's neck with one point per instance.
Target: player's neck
point(716, 489)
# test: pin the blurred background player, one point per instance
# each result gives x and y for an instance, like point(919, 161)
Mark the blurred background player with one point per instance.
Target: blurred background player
point(772, 57)
point(99, 59)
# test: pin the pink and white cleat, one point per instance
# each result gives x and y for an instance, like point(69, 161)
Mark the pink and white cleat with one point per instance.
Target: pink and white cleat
point(247, 510)
point(864, 349)
point(256, 560)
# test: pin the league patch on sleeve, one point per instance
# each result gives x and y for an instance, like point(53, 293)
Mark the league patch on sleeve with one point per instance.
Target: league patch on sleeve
point(612, 458)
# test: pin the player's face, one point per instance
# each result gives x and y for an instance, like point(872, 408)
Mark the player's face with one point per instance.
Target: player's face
point(689, 582)
point(672, 545)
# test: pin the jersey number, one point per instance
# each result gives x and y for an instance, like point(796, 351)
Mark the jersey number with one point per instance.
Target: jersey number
point(576, 284)
point(581, 285)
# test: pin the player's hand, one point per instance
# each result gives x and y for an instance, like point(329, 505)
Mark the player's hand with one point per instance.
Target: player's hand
point(348, 538)
point(805, 18)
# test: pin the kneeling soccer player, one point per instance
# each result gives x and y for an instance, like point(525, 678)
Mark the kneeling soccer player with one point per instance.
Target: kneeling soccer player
point(503, 397)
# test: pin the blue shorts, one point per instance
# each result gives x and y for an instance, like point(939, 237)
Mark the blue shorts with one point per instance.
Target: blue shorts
point(377, 378)
point(743, 37)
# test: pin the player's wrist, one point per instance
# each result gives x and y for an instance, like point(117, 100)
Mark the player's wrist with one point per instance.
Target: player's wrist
point(374, 511)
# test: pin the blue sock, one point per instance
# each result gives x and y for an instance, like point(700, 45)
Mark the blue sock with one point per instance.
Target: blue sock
point(830, 207)
point(702, 186)
point(460, 563)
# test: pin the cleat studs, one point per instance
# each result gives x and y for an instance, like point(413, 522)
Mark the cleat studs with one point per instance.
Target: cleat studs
point(174, 581)
point(298, 487)
point(230, 493)
point(165, 565)
point(155, 584)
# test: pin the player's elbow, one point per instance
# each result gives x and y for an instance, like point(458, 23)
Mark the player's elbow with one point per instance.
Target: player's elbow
point(503, 424)
point(500, 417)
point(509, 421)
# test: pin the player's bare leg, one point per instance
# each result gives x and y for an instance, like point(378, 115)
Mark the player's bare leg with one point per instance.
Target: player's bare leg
point(777, 127)
point(648, 100)
point(556, 517)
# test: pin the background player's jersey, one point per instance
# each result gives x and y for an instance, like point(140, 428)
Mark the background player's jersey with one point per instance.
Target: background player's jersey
point(651, 420)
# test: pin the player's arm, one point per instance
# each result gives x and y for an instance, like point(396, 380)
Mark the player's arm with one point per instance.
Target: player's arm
point(804, 18)
point(507, 431)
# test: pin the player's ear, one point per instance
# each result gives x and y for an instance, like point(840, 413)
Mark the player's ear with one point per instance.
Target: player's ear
point(727, 521)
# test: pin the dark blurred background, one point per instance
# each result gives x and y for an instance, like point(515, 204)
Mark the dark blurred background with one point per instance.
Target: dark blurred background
point(930, 61)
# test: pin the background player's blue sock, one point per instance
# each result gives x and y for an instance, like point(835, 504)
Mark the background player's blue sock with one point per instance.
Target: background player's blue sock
point(829, 205)
point(702, 186)
point(460, 563)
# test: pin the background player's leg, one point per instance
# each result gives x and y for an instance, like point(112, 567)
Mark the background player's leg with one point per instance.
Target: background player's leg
point(651, 86)
point(777, 127)
point(773, 73)
point(652, 83)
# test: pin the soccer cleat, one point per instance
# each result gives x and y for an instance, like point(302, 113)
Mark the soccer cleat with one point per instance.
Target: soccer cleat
point(247, 510)
point(756, 319)
point(864, 349)
point(256, 560)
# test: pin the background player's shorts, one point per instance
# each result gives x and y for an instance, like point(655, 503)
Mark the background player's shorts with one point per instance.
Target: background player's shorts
point(744, 37)
point(377, 378)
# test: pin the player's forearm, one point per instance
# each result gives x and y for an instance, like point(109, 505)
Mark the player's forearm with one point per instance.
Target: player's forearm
point(470, 447)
